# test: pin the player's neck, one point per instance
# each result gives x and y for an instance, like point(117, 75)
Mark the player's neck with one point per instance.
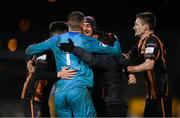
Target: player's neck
point(146, 33)
point(75, 30)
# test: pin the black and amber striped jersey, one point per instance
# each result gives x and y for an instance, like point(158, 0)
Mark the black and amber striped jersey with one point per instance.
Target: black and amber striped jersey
point(38, 84)
point(151, 47)
point(33, 88)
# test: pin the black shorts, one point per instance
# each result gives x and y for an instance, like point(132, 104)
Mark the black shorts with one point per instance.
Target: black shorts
point(31, 108)
point(158, 107)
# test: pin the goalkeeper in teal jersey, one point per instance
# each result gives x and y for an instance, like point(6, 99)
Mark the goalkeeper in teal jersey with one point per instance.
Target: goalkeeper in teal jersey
point(72, 97)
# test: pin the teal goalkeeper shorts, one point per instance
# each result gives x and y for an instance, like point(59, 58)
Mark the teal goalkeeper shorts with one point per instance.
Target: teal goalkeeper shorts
point(76, 102)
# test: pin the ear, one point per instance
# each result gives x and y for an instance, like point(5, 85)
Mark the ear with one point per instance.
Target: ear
point(82, 24)
point(146, 27)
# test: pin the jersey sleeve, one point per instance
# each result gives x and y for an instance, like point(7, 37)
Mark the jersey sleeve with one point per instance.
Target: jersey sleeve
point(39, 48)
point(93, 45)
point(152, 49)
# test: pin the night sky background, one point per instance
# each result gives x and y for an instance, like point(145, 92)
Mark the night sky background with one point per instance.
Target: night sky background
point(116, 16)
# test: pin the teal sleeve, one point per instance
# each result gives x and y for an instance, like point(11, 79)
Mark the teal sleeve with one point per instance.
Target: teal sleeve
point(95, 46)
point(39, 47)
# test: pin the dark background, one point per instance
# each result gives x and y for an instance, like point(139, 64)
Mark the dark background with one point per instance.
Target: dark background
point(114, 16)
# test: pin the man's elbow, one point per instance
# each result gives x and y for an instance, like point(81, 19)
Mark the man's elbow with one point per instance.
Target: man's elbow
point(149, 67)
point(117, 52)
point(28, 52)
point(149, 64)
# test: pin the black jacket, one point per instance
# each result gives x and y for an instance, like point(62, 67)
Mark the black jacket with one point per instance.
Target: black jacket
point(112, 78)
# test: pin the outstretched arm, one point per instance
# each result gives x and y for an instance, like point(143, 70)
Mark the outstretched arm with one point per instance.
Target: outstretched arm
point(147, 65)
point(65, 73)
point(93, 45)
point(100, 61)
point(39, 48)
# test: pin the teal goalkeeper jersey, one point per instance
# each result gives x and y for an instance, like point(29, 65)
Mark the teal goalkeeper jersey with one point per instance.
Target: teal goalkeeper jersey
point(84, 76)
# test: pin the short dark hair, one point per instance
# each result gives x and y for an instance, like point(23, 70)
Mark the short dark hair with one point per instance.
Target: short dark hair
point(148, 18)
point(58, 27)
point(75, 19)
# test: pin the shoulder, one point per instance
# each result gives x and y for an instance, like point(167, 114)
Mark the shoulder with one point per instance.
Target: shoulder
point(152, 38)
point(87, 38)
point(152, 41)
